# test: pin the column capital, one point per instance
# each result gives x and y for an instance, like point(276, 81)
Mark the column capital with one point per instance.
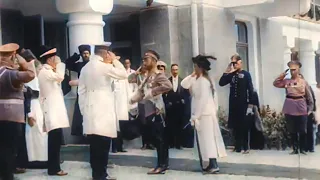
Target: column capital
point(74, 6)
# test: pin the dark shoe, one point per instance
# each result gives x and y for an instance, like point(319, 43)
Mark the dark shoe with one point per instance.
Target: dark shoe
point(19, 171)
point(62, 161)
point(179, 148)
point(150, 146)
point(303, 152)
point(123, 151)
point(114, 151)
point(212, 171)
point(60, 173)
point(246, 152)
point(144, 147)
point(238, 150)
point(294, 152)
point(213, 167)
point(312, 151)
point(158, 170)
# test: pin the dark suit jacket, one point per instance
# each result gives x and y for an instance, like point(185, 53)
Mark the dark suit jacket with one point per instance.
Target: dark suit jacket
point(179, 97)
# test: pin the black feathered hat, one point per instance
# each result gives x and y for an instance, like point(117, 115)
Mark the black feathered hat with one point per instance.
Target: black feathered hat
point(203, 62)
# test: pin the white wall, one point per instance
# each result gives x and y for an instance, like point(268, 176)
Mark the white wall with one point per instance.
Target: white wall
point(272, 55)
point(217, 37)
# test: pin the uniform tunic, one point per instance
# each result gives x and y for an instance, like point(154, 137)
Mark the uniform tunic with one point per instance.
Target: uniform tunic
point(11, 98)
point(51, 97)
point(241, 90)
point(96, 98)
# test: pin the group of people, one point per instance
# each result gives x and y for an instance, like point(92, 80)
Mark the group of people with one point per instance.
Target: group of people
point(31, 94)
point(33, 112)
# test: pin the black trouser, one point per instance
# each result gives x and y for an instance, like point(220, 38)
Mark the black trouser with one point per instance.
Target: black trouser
point(158, 137)
point(174, 125)
point(146, 134)
point(241, 133)
point(22, 153)
point(297, 126)
point(77, 128)
point(54, 145)
point(311, 133)
point(9, 135)
point(99, 155)
point(117, 143)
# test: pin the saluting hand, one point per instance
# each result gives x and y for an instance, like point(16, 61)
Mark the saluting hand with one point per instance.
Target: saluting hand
point(230, 69)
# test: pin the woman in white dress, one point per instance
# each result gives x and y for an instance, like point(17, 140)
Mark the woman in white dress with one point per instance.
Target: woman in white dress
point(36, 139)
point(204, 113)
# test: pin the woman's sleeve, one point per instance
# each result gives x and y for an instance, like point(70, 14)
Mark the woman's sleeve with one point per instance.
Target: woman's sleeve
point(187, 82)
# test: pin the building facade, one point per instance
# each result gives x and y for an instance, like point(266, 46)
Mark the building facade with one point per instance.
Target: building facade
point(266, 33)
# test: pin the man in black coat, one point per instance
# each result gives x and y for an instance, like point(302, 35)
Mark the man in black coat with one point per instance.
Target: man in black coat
point(175, 106)
point(74, 63)
point(240, 101)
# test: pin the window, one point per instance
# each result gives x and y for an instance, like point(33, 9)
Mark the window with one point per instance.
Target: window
point(242, 43)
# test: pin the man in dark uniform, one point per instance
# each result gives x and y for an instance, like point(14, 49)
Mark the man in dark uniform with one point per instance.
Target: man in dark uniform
point(240, 101)
point(175, 105)
point(74, 63)
point(11, 105)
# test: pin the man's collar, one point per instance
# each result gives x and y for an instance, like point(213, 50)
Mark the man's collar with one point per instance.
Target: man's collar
point(96, 57)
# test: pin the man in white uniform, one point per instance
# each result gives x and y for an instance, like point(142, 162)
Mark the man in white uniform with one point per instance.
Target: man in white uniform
point(52, 102)
point(96, 102)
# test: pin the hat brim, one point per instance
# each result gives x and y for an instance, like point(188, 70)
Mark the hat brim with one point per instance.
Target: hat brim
point(11, 47)
point(51, 51)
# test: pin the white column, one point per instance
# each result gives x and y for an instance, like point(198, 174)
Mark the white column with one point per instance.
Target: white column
point(85, 25)
point(307, 58)
point(84, 28)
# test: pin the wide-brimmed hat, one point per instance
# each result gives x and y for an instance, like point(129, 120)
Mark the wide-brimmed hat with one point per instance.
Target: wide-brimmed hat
point(203, 62)
point(294, 64)
point(11, 47)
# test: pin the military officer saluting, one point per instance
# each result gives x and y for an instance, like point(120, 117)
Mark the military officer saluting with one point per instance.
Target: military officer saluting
point(11, 105)
point(240, 101)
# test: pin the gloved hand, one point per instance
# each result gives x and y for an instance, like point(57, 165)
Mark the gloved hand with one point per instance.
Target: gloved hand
point(195, 123)
point(249, 111)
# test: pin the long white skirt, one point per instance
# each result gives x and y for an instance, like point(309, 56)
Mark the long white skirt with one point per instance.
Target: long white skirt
point(210, 138)
point(36, 139)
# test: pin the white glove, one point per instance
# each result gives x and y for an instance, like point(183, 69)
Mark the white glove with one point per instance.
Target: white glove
point(249, 111)
point(195, 123)
point(31, 115)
